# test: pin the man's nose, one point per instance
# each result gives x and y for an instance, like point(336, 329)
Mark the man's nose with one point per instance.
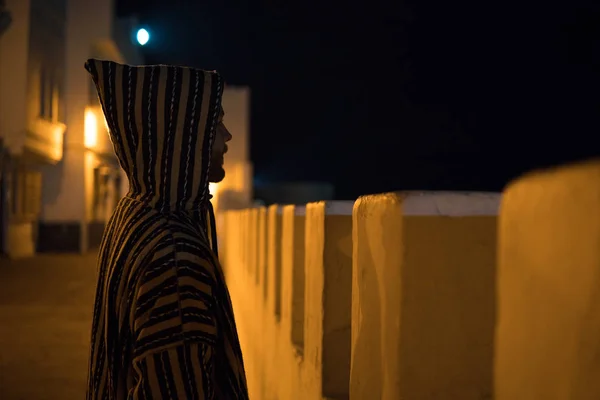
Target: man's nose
point(227, 135)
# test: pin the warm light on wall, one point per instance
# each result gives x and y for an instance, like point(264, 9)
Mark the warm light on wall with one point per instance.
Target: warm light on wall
point(90, 134)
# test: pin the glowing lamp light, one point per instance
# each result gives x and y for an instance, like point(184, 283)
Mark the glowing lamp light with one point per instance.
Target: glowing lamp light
point(143, 36)
point(90, 129)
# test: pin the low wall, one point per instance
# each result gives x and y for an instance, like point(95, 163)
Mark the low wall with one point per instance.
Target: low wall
point(289, 272)
point(423, 306)
point(386, 298)
point(548, 330)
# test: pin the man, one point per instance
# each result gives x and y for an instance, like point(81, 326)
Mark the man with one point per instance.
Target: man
point(163, 324)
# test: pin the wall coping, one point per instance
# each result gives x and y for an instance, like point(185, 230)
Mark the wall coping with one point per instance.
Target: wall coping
point(451, 204)
point(418, 203)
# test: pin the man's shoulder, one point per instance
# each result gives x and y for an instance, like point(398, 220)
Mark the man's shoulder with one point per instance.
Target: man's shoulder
point(146, 240)
point(179, 254)
point(158, 234)
point(175, 295)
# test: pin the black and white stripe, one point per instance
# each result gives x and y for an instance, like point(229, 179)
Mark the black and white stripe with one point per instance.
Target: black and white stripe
point(163, 324)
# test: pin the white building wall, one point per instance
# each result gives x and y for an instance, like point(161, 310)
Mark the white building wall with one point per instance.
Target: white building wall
point(14, 57)
point(68, 213)
point(32, 61)
point(235, 191)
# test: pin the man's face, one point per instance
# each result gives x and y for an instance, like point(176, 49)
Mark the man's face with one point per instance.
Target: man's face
point(222, 136)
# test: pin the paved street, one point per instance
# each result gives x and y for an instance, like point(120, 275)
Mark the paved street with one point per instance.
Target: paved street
point(45, 314)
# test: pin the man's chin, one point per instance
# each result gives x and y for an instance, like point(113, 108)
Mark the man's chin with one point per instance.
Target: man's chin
point(216, 174)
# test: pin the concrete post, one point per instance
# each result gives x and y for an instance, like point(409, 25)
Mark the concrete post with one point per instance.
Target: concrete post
point(327, 307)
point(547, 338)
point(423, 296)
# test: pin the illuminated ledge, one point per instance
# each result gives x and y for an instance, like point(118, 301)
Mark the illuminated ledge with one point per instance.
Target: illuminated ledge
point(45, 138)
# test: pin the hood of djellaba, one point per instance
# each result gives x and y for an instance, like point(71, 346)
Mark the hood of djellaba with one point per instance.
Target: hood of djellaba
point(162, 122)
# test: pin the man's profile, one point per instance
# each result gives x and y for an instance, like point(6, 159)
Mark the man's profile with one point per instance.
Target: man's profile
point(163, 325)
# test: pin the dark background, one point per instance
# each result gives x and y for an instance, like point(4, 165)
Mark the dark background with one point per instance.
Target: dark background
point(387, 95)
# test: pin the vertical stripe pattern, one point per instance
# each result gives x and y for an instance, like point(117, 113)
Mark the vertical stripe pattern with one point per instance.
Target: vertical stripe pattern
point(163, 325)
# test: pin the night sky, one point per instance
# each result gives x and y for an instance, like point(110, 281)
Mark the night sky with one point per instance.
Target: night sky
point(389, 95)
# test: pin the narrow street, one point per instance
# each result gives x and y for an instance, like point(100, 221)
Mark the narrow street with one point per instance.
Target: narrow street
point(45, 317)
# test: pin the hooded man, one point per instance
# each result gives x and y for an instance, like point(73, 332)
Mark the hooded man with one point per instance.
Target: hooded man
point(163, 325)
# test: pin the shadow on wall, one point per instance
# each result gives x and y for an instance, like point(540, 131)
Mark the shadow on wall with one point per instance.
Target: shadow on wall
point(52, 182)
point(337, 301)
point(450, 272)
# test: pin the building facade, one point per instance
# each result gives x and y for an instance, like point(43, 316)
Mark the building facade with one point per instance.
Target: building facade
point(32, 113)
point(60, 178)
point(80, 194)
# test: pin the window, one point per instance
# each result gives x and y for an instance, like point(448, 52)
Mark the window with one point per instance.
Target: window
point(49, 96)
point(43, 93)
point(101, 193)
point(33, 193)
point(55, 101)
point(26, 194)
point(97, 195)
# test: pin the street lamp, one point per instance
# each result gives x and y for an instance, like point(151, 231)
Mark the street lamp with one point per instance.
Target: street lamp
point(143, 36)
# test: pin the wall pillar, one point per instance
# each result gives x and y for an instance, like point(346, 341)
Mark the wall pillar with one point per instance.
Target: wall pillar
point(547, 338)
point(423, 296)
point(327, 307)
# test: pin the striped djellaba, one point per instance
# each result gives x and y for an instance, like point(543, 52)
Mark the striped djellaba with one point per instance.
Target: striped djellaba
point(163, 325)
